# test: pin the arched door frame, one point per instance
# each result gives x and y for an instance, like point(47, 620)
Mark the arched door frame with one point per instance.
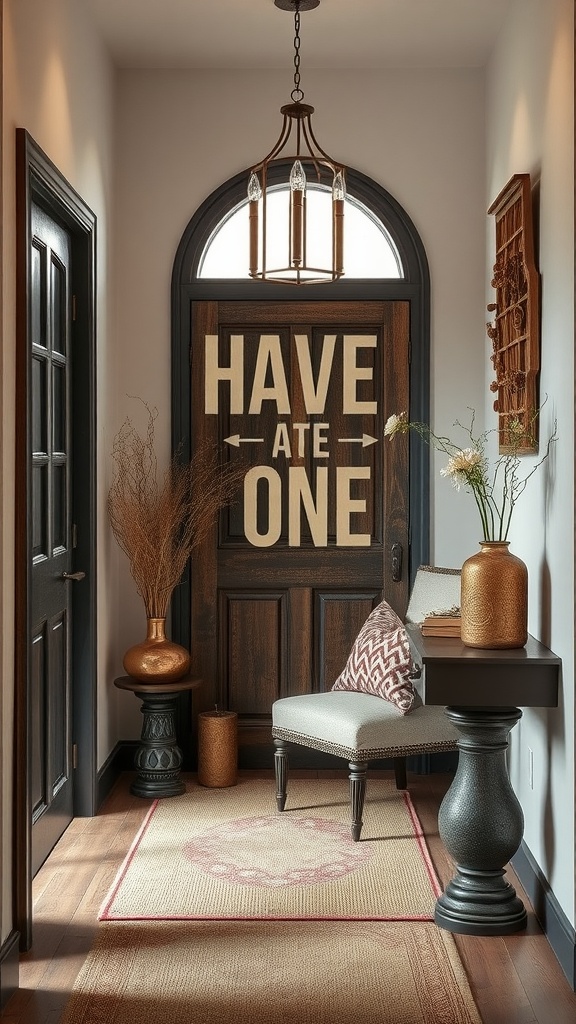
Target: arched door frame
point(414, 287)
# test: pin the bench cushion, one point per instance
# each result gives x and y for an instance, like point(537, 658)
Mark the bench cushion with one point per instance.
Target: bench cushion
point(360, 726)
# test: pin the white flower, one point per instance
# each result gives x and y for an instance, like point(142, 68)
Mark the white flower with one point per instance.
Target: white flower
point(463, 466)
point(395, 424)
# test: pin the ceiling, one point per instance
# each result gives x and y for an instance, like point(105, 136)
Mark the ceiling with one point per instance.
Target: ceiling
point(338, 33)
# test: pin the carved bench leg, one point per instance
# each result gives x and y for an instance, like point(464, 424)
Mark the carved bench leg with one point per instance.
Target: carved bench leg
point(400, 773)
point(281, 772)
point(358, 773)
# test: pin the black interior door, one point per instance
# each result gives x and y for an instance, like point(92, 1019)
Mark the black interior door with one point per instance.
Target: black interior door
point(55, 499)
point(52, 578)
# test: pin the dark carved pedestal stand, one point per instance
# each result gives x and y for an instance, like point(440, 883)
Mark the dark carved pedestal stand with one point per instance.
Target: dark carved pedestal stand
point(481, 824)
point(480, 819)
point(158, 759)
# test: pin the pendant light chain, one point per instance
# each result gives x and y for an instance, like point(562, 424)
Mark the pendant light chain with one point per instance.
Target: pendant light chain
point(297, 93)
point(293, 265)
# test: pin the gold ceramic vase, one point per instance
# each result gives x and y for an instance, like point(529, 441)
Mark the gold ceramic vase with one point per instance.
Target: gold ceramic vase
point(156, 659)
point(494, 598)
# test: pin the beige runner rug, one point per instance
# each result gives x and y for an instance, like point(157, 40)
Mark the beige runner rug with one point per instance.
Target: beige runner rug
point(255, 972)
point(228, 854)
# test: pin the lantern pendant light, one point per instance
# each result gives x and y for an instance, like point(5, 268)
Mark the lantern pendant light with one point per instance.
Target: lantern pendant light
point(309, 158)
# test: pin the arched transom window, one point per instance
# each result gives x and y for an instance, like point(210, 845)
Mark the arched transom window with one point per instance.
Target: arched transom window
point(369, 251)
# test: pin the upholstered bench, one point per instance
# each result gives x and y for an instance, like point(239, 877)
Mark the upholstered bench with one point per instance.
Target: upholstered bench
point(360, 726)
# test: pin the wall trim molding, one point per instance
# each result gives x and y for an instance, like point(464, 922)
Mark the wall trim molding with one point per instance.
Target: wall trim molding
point(9, 967)
point(557, 928)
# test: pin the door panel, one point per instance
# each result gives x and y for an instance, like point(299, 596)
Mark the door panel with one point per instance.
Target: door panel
point(255, 670)
point(299, 392)
point(51, 531)
point(339, 618)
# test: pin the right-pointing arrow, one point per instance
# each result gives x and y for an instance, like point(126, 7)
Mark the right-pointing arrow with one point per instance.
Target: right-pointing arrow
point(365, 440)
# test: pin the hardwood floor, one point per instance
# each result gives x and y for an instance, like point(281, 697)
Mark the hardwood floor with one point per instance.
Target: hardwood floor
point(515, 979)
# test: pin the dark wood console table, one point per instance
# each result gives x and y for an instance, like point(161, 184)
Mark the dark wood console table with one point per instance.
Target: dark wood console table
point(480, 819)
point(158, 759)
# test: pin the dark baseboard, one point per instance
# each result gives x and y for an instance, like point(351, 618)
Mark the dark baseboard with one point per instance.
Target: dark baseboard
point(256, 757)
point(120, 759)
point(9, 970)
point(557, 928)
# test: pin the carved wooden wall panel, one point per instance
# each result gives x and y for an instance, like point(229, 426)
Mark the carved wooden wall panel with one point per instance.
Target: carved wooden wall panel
point(515, 329)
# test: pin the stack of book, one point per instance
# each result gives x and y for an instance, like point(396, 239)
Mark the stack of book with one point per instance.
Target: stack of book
point(442, 624)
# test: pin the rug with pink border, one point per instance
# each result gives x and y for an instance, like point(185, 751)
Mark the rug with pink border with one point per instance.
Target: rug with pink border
point(228, 854)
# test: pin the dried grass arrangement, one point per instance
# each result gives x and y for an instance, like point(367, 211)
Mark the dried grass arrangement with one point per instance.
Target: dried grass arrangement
point(159, 523)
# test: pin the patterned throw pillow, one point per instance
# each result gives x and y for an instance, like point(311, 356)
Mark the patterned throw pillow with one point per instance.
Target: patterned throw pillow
point(380, 662)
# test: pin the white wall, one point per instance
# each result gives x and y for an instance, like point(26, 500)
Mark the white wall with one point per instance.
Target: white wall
point(57, 84)
point(530, 129)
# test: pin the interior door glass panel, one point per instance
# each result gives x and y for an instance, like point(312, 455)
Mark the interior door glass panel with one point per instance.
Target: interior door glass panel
point(58, 408)
point(59, 508)
point(39, 439)
point(38, 294)
point(58, 285)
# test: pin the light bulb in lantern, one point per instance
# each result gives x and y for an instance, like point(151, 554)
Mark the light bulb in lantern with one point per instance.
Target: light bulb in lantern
point(338, 186)
point(297, 192)
point(254, 196)
point(297, 177)
point(254, 188)
point(338, 196)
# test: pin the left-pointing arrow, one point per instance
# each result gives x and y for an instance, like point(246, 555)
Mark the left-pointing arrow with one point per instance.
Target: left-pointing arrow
point(236, 440)
point(365, 440)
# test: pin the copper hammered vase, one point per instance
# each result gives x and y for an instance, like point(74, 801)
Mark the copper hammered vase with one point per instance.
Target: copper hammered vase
point(156, 659)
point(494, 598)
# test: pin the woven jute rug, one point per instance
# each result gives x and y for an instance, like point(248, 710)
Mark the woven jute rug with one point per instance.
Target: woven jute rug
point(261, 972)
point(228, 854)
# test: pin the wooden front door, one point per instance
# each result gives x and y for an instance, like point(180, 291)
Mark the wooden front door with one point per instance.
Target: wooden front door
point(299, 392)
point(51, 785)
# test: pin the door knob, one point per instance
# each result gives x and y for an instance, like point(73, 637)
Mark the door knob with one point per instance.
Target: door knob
point(73, 575)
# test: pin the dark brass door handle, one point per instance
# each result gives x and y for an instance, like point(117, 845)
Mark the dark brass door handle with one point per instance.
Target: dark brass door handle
point(73, 575)
point(396, 562)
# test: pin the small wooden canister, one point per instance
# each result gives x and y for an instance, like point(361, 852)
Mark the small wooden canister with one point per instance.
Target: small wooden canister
point(217, 748)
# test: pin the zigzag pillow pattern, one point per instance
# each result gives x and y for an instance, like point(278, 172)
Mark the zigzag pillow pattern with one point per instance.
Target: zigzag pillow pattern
point(380, 662)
